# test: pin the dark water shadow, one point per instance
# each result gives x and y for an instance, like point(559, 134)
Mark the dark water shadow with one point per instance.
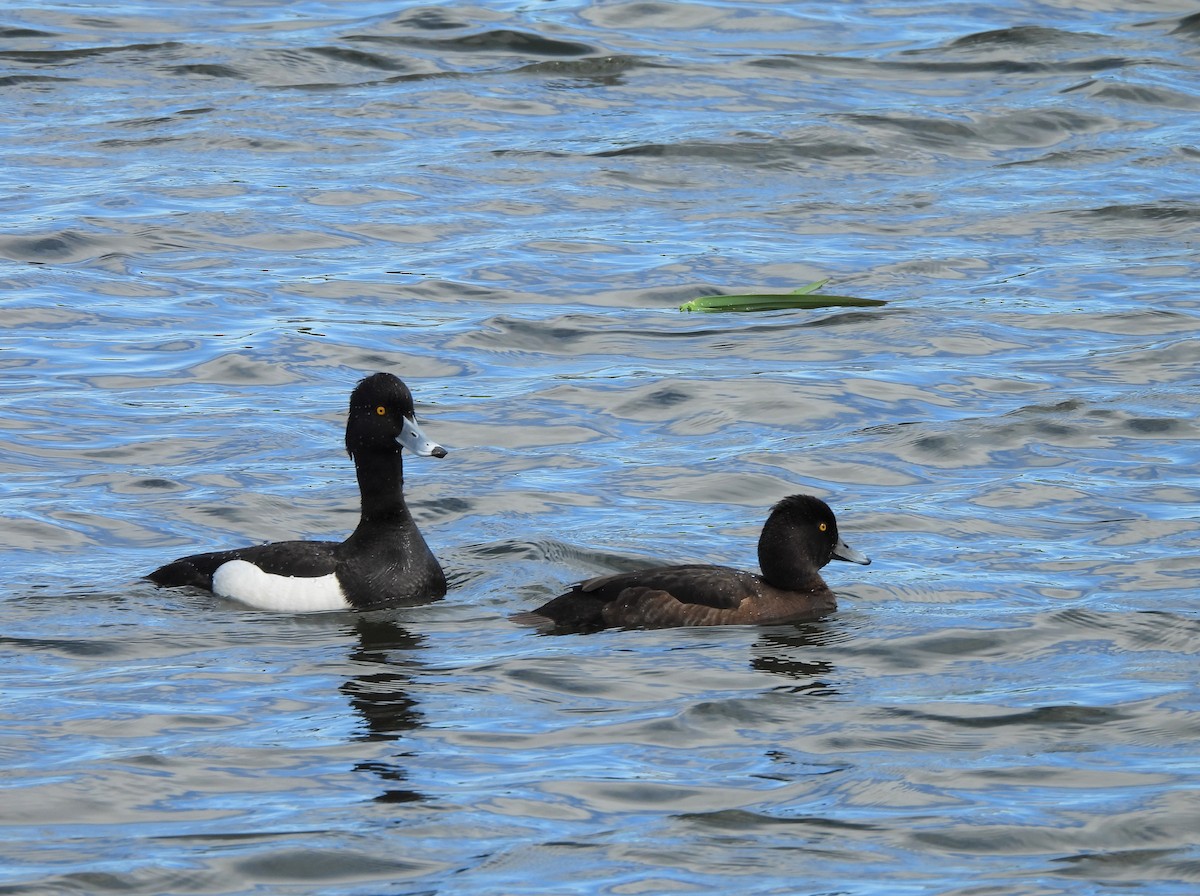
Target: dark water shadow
point(381, 696)
point(782, 651)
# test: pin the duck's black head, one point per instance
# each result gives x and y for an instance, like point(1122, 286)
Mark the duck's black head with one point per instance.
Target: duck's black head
point(799, 537)
point(382, 418)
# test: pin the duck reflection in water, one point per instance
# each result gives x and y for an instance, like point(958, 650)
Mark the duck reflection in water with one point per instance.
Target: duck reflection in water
point(380, 695)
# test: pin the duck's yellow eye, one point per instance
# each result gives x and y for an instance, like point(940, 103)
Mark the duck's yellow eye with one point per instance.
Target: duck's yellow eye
point(822, 526)
point(381, 410)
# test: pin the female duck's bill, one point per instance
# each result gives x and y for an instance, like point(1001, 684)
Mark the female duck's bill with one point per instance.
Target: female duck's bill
point(799, 538)
point(385, 562)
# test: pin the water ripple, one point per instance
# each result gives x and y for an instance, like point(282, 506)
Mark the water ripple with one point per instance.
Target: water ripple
point(220, 218)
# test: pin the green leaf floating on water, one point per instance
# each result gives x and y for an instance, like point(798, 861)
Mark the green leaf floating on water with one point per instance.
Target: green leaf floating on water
point(801, 298)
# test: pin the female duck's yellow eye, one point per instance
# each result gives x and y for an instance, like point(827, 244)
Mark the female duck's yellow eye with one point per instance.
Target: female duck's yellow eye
point(822, 526)
point(381, 410)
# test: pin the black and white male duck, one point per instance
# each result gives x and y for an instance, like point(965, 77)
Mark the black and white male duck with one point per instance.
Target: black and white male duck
point(384, 563)
point(799, 537)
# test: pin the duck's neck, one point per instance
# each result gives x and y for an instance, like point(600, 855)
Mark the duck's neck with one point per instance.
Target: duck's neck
point(785, 563)
point(791, 574)
point(381, 483)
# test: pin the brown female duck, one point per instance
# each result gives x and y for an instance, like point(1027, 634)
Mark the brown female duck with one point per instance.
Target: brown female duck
point(799, 537)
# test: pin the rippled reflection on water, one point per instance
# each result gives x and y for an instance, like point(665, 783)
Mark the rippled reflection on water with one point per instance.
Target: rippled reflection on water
point(219, 216)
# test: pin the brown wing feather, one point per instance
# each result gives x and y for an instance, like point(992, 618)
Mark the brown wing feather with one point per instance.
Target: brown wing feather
point(651, 608)
point(681, 595)
point(666, 596)
point(711, 586)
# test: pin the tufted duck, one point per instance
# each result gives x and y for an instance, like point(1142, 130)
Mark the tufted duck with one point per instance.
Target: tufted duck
point(385, 561)
point(799, 537)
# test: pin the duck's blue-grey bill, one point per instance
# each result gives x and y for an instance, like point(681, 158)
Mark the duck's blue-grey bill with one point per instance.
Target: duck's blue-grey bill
point(843, 551)
point(417, 442)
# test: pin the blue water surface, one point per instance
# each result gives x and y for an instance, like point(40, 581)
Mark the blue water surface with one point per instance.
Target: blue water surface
point(219, 215)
